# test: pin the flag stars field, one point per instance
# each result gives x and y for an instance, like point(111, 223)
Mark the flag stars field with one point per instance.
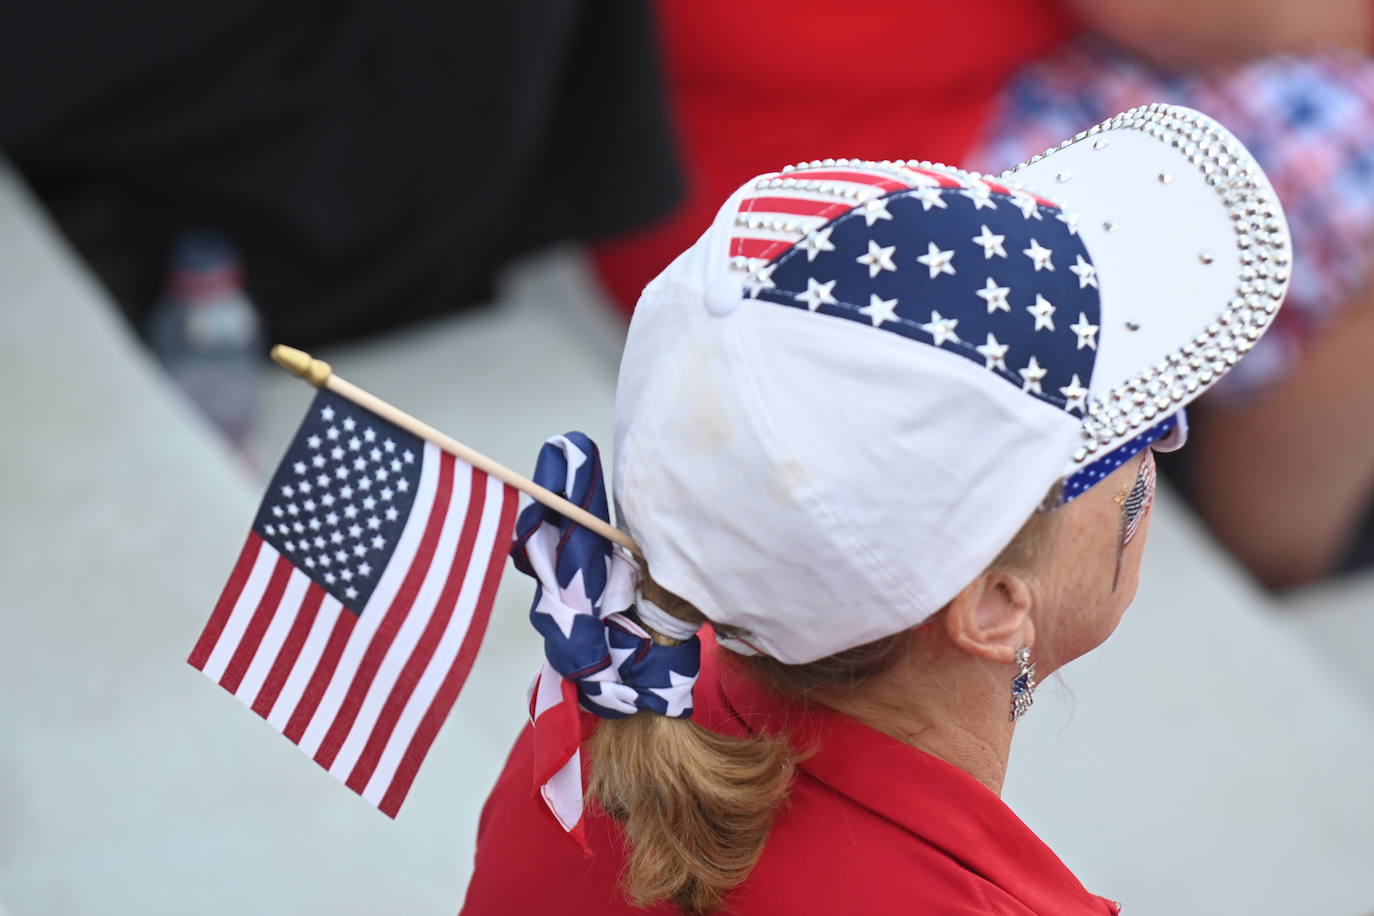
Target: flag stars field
point(1040, 256)
point(373, 462)
point(939, 262)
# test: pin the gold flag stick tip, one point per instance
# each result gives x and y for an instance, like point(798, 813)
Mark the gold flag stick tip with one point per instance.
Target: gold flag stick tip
point(302, 365)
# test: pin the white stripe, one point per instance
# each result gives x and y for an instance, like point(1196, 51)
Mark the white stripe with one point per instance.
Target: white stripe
point(282, 617)
point(304, 668)
point(372, 614)
point(449, 646)
point(244, 607)
point(563, 793)
point(421, 611)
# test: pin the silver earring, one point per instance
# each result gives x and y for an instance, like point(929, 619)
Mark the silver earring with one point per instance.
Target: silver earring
point(1023, 685)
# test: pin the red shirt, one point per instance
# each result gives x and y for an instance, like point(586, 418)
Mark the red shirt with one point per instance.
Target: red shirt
point(871, 825)
point(753, 86)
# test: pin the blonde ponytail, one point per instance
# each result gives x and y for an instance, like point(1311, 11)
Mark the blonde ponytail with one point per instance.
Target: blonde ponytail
point(696, 806)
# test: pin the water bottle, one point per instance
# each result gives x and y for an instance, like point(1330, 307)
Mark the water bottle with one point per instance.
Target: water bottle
point(208, 336)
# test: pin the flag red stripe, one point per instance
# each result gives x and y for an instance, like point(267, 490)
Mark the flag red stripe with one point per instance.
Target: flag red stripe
point(319, 681)
point(220, 616)
point(429, 640)
point(757, 248)
point(257, 626)
point(796, 206)
point(391, 623)
point(453, 682)
point(290, 650)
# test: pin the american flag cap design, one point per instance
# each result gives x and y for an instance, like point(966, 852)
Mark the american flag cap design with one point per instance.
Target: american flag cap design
point(898, 352)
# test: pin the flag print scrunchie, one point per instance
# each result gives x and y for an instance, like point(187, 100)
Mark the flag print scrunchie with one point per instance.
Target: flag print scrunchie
point(585, 583)
point(596, 659)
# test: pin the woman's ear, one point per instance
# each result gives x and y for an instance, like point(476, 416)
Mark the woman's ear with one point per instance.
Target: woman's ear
point(991, 618)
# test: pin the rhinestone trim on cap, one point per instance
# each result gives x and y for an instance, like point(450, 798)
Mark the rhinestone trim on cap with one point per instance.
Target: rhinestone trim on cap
point(1264, 255)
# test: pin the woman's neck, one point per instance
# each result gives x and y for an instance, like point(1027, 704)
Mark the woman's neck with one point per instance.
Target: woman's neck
point(944, 702)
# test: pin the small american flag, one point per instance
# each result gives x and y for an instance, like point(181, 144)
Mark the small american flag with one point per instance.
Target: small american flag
point(354, 612)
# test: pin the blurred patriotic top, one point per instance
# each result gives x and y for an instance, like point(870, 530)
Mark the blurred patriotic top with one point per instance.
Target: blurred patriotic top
point(1307, 119)
point(989, 272)
point(355, 609)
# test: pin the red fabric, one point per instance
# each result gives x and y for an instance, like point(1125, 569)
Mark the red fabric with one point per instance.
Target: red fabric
point(754, 86)
point(871, 826)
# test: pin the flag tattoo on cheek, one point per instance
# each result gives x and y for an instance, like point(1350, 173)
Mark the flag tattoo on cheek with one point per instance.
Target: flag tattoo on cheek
point(1135, 504)
point(1142, 496)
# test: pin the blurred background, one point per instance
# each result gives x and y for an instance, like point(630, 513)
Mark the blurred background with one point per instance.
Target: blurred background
point(457, 206)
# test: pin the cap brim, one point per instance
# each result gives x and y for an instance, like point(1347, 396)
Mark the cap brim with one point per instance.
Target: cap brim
point(1192, 255)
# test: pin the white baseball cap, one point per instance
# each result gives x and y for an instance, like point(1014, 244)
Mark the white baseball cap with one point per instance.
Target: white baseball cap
point(839, 405)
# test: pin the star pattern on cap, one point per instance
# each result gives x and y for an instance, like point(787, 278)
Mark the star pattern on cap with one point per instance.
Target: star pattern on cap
point(940, 328)
point(994, 353)
point(1033, 375)
point(762, 278)
point(1029, 206)
point(980, 194)
point(939, 262)
point(1086, 273)
point(1043, 310)
point(992, 243)
point(1002, 319)
point(995, 296)
point(1039, 255)
point(879, 309)
point(875, 209)
point(1087, 333)
point(930, 196)
point(817, 242)
point(1075, 395)
point(878, 258)
point(817, 293)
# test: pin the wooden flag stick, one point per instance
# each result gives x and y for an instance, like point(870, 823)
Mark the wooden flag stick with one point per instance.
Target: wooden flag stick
point(320, 374)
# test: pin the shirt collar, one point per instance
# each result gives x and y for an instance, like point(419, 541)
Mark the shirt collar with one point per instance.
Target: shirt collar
point(924, 795)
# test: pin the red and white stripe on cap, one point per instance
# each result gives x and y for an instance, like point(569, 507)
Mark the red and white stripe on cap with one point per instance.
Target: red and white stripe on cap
point(792, 207)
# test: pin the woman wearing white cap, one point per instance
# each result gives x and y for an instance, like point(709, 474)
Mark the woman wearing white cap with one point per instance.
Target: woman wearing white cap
point(887, 429)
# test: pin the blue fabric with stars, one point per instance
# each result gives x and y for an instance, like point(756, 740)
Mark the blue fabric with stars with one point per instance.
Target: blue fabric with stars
point(1094, 473)
point(993, 278)
point(340, 498)
point(618, 670)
